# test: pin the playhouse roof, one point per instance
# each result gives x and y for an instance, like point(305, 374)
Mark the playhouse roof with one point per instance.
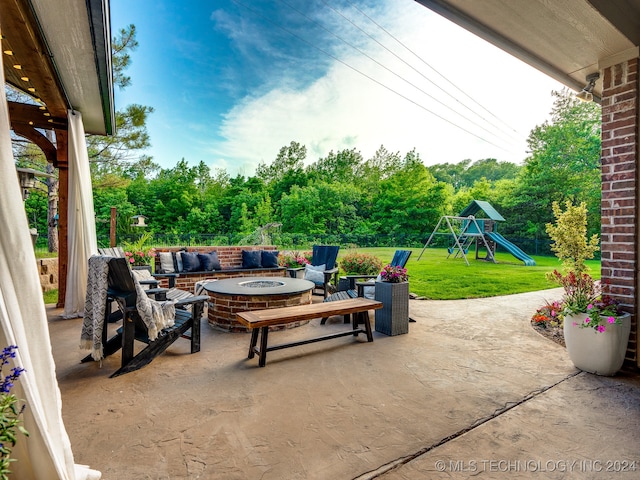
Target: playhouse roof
point(478, 205)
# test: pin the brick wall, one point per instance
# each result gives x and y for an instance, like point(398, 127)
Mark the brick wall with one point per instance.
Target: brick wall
point(230, 258)
point(620, 124)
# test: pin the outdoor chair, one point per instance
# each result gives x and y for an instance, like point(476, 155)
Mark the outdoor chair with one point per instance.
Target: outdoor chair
point(366, 289)
point(145, 277)
point(170, 320)
point(322, 267)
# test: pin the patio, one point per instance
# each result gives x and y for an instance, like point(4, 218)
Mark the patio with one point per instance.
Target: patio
point(472, 390)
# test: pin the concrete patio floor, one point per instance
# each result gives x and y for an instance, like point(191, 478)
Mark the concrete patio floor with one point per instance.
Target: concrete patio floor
point(471, 391)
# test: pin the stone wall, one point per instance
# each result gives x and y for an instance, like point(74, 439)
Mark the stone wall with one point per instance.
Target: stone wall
point(48, 271)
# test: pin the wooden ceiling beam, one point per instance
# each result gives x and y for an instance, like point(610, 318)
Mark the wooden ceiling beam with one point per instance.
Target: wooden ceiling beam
point(21, 35)
point(32, 115)
point(30, 133)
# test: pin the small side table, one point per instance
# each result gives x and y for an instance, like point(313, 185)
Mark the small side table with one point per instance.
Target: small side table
point(295, 272)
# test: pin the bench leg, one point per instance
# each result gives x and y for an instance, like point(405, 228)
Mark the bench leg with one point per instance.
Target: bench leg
point(367, 325)
point(264, 332)
point(354, 323)
point(196, 312)
point(253, 342)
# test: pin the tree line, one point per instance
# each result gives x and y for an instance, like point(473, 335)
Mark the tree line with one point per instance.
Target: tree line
point(342, 193)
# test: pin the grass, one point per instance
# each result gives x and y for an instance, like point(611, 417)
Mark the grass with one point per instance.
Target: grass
point(436, 277)
point(51, 296)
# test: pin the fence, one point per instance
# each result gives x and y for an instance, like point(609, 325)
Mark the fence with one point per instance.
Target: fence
point(295, 241)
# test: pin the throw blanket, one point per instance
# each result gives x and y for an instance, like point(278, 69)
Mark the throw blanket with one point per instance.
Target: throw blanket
point(155, 315)
point(94, 306)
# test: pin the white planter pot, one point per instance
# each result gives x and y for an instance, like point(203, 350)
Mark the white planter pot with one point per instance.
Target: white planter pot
point(601, 353)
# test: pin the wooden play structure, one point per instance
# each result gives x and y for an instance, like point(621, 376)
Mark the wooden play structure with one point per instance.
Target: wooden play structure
point(466, 230)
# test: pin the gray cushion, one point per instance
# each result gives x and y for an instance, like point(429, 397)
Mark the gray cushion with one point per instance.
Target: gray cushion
point(315, 273)
point(166, 262)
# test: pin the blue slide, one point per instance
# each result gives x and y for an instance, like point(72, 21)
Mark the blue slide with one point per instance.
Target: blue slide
point(511, 248)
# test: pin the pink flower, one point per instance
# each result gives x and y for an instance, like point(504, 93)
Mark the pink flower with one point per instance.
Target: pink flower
point(575, 324)
point(590, 306)
point(587, 320)
point(131, 260)
point(553, 313)
point(611, 320)
point(601, 328)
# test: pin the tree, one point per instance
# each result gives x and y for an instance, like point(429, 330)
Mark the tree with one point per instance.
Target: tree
point(341, 167)
point(286, 171)
point(564, 164)
point(114, 153)
point(411, 201)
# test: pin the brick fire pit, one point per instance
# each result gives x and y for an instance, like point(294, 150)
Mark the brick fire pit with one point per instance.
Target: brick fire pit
point(230, 296)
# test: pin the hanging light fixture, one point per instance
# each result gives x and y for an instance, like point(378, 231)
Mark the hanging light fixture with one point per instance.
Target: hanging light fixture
point(27, 178)
point(586, 95)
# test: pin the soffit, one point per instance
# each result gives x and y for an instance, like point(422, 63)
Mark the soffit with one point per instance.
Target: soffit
point(64, 50)
point(566, 39)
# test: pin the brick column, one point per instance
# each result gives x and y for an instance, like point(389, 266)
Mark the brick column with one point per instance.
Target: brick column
point(620, 220)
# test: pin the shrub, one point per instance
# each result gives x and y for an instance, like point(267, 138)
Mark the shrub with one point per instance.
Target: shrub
point(569, 235)
point(361, 264)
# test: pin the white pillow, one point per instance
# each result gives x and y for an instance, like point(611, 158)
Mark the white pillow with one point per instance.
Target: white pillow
point(315, 273)
point(166, 262)
point(370, 292)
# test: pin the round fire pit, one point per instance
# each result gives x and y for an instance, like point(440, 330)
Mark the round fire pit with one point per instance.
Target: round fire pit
point(230, 296)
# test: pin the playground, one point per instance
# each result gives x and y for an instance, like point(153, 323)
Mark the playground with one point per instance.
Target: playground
point(467, 231)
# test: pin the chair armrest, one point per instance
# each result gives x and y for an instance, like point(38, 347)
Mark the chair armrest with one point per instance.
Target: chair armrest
point(170, 276)
point(159, 294)
point(329, 273)
point(151, 281)
point(192, 300)
point(360, 286)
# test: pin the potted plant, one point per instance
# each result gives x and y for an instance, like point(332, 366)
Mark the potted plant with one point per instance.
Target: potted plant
point(294, 262)
point(596, 329)
point(393, 292)
point(138, 254)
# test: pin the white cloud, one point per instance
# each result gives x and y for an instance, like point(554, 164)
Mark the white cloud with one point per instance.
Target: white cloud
point(343, 109)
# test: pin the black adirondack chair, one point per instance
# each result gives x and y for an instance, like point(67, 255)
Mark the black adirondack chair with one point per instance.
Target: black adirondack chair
point(325, 255)
point(121, 288)
point(400, 259)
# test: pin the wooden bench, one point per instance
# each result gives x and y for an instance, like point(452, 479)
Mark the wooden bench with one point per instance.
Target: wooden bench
point(259, 321)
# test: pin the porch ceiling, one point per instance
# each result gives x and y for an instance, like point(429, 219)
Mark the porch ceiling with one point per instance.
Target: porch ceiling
point(59, 53)
point(566, 39)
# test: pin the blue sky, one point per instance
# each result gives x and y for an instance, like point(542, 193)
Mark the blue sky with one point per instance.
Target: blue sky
point(231, 82)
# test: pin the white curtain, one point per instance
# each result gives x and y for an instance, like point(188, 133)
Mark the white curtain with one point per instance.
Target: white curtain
point(82, 223)
point(46, 453)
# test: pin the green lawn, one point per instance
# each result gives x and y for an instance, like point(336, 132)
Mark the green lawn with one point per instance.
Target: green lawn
point(436, 277)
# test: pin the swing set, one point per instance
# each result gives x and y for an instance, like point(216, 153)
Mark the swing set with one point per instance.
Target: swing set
point(465, 231)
